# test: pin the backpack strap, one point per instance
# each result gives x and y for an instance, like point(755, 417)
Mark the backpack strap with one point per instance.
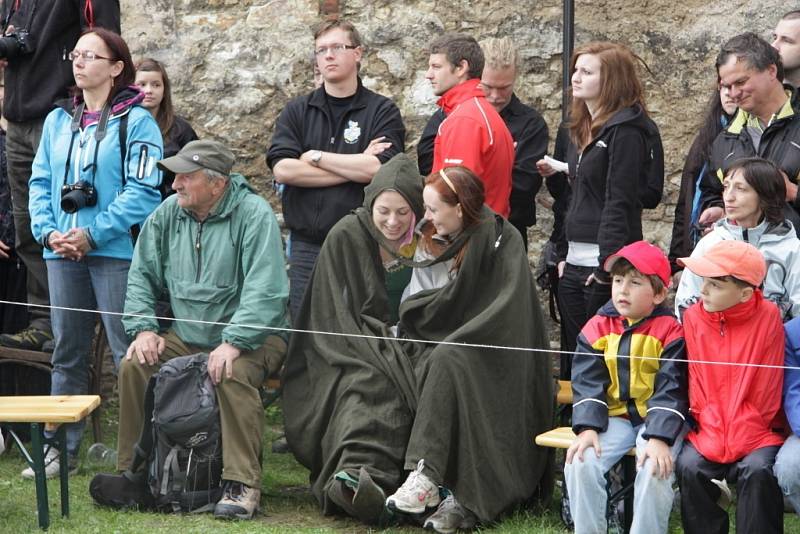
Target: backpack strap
point(123, 143)
point(144, 449)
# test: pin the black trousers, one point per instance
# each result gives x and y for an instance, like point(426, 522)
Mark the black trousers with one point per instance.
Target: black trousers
point(759, 501)
point(577, 303)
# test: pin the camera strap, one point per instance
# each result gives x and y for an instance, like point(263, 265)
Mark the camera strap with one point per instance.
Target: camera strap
point(99, 135)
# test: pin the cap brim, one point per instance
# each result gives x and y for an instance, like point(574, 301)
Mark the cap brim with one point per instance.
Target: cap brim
point(178, 164)
point(610, 261)
point(703, 267)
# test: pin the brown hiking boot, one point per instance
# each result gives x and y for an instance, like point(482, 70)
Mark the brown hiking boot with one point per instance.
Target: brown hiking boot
point(238, 501)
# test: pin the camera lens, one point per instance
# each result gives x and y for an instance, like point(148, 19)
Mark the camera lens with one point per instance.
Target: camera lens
point(73, 201)
point(9, 47)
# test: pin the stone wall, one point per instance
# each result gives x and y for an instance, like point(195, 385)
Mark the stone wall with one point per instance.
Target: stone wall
point(234, 64)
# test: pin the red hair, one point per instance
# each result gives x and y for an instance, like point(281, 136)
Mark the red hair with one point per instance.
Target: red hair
point(464, 188)
point(620, 88)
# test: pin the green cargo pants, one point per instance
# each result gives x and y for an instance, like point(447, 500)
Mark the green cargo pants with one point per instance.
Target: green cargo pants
point(240, 409)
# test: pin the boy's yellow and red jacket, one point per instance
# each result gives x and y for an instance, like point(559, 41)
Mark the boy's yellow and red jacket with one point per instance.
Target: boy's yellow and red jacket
point(650, 386)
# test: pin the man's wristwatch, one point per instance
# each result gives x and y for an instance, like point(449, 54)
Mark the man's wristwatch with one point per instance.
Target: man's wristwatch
point(316, 155)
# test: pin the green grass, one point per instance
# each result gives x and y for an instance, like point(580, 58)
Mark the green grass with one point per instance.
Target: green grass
point(287, 505)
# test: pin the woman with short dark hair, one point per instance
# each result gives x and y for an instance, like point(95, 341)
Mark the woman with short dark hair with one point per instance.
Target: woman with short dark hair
point(754, 193)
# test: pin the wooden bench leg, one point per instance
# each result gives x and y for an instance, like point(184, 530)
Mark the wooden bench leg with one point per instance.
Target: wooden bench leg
point(37, 452)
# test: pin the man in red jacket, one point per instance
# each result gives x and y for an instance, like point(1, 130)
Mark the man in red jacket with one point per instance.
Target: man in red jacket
point(735, 404)
point(473, 134)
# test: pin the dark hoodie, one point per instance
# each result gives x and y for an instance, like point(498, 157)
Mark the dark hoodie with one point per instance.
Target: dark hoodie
point(608, 183)
point(34, 81)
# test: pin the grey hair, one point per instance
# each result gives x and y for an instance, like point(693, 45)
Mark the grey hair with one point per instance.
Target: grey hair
point(212, 174)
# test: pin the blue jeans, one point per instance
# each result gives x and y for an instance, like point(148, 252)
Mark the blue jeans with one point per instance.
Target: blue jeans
point(95, 283)
point(787, 471)
point(302, 258)
point(586, 482)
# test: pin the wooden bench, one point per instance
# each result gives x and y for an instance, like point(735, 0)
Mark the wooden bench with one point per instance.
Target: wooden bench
point(41, 361)
point(40, 411)
point(562, 438)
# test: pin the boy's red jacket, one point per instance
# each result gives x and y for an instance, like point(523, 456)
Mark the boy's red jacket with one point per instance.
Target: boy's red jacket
point(735, 407)
point(475, 136)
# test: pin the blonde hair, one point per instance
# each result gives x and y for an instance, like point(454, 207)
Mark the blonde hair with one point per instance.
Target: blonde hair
point(500, 52)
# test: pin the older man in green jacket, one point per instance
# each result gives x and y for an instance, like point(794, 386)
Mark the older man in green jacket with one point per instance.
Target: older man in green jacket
point(215, 249)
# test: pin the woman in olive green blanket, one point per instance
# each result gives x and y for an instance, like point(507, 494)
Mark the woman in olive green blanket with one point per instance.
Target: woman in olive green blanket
point(348, 402)
point(470, 450)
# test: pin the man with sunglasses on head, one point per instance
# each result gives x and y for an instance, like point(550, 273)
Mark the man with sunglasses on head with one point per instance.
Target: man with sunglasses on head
point(327, 146)
point(37, 36)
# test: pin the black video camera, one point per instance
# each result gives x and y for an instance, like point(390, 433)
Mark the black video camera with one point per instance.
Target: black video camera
point(78, 195)
point(16, 44)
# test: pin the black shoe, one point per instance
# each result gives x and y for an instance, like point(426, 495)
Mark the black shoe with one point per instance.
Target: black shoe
point(30, 338)
point(122, 492)
point(49, 346)
point(369, 501)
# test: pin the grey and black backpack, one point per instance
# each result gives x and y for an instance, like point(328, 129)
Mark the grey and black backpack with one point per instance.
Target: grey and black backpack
point(185, 460)
point(177, 465)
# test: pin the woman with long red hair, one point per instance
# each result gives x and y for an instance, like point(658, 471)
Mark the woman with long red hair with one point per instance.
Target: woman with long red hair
point(472, 287)
point(611, 158)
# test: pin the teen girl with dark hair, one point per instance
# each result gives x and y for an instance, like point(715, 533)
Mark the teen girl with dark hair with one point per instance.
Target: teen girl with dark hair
point(152, 79)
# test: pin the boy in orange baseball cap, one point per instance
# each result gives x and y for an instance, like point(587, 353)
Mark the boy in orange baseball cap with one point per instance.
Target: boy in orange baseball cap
point(734, 405)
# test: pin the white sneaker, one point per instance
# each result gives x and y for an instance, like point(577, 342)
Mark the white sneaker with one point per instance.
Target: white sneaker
point(52, 465)
point(417, 494)
point(450, 516)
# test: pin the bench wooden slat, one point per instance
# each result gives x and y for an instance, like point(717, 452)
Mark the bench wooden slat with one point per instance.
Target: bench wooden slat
point(564, 395)
point(46, 408)
point(561, 438)
point(7, 353)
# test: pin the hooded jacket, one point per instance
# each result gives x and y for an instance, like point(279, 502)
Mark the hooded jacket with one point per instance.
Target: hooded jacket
point(609, 183)
point(781, 250)
point(35, 81)
point(736, 407)
point(228, 268)
point(631, 373)
point(475, 136)
point(125, 197)
point(342, 392)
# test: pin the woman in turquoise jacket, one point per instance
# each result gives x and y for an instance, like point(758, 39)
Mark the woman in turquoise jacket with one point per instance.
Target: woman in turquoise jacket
point(94, 181)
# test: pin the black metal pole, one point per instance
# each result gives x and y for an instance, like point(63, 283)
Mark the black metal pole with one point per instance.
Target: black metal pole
point(568, 44)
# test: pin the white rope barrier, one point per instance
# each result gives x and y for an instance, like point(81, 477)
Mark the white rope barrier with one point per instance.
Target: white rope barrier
point(403, 339)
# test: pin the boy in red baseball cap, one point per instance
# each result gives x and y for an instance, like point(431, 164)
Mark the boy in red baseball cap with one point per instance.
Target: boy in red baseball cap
point(628, 390)
point(735, 404)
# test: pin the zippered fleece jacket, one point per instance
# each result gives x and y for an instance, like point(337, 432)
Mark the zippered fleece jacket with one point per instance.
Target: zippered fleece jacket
point(630, 370)
point(228, 268)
